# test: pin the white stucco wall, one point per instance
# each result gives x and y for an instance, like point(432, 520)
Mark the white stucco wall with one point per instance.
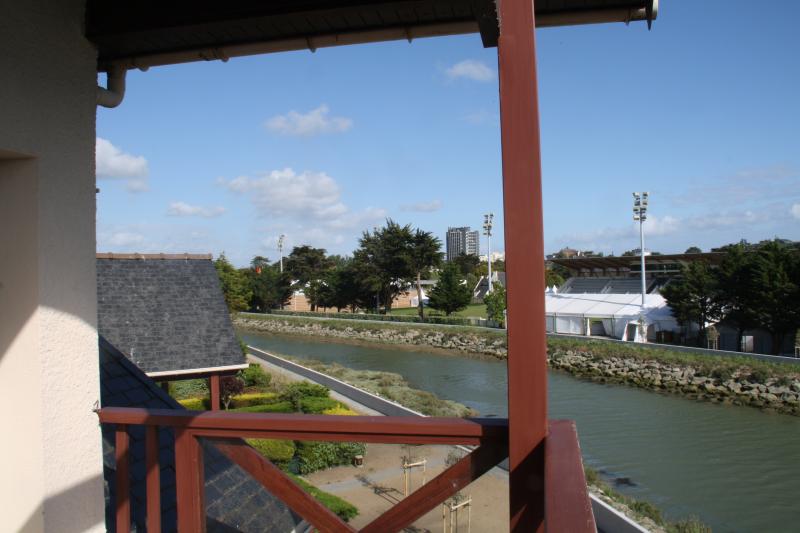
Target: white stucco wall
point(50, 452)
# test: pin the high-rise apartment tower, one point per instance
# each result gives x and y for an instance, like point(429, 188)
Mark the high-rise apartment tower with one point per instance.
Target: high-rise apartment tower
point(462, 241)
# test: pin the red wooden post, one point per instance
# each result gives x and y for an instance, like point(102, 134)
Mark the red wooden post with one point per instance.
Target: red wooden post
point(213, 386)
point(568, 507)
point(189, 483)
point(121, 455)
point(153, 480)
point(524, 244)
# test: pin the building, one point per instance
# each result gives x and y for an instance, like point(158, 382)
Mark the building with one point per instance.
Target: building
point(53, 479)
point(462, 241)
point(167, 314)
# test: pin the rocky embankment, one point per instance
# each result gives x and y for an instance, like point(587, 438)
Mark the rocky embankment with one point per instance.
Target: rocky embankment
point(739, 387)
point(492, 344)
point(695, 376)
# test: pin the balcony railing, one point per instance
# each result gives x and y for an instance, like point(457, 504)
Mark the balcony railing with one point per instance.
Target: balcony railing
point(566, 500)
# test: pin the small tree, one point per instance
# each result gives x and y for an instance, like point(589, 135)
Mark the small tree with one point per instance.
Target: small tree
point(496, 304)
point(693, 297)
point(230, 386)
point(235, 285)
point(424, 254)
point(450, 293)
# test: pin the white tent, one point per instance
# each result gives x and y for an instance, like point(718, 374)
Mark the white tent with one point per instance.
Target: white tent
point(620, 316)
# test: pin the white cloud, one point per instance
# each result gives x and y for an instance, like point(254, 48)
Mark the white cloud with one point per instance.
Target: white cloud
point(423, 207)
point(182, 209)
point(114, 163)
point(315, 122)
point(471, 70)
point(795, 210)
point(307, 207)
point(284, 192)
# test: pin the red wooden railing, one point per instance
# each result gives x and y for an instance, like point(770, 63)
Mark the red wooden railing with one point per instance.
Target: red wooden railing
point(568, 508)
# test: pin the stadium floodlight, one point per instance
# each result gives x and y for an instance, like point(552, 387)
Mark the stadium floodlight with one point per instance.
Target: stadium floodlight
point(640, 201)
point(280, 249)
point(487, 230)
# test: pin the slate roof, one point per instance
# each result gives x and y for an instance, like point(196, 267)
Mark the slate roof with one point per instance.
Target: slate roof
point(234, 500)
point(166, 314)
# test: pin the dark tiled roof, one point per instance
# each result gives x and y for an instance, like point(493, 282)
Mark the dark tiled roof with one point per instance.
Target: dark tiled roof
point(165, 314)
point(234, 500)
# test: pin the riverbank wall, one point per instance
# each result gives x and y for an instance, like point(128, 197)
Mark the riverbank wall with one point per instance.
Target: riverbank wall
point(731, 380)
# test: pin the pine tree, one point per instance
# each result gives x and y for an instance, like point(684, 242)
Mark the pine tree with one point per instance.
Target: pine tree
point(450, 293)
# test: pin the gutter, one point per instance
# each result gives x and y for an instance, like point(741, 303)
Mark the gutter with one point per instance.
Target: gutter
point(112, 95)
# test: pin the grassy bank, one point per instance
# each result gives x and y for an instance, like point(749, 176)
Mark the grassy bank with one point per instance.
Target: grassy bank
point(391, 386)
point(472, 310)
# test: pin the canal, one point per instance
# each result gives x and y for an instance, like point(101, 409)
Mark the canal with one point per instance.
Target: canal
point(736, 468)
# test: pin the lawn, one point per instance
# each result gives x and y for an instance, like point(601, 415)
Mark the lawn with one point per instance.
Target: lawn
point(472, 310)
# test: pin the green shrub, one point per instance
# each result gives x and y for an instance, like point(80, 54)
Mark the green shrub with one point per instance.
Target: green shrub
point(279, 452)
point(343, 509)
point(313, 456)
point(722, 374)
point(251, 399)
point(315, 405)
point(276, 407)
point(254, 376)
point(188, 388)
point(196, 404)
point(757, 376)
point(295, 392)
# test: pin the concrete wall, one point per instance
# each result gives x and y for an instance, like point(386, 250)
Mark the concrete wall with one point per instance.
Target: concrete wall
point(51, 460)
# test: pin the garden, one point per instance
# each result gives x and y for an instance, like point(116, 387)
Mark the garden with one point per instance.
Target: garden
point(256, 391)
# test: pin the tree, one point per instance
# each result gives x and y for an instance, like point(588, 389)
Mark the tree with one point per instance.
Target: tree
point(425, 254)
point(450, 293)
point(384, 259)
point(693, 297)
point(776, 272)
point(234, 284)
point(308, 265)
point(552, 278)
point(341, 287)
point(230, 386)
point(737, 290)
point(693, 250)
point(270, 288)
point(496, 304)
point(467, 263)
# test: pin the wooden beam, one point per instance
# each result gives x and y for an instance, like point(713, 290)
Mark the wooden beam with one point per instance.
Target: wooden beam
point(123, 478)
point(153, 479)
point(402, 429)
point(567, 505)
point(437, 490)
point(189, 483)
point(279, 484)
point(524, 245)
point(213, 386)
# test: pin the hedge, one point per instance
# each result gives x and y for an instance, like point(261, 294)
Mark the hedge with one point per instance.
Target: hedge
point(312, 405)
point(196, 404)
point(276, 407)
point(278, 451)
point(343, 509)
point(254, 398)
point(313, 456)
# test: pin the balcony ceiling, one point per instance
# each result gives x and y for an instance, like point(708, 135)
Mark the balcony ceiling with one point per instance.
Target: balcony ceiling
point(153, 32)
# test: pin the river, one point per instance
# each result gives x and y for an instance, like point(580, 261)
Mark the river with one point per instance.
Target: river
point(736, 468)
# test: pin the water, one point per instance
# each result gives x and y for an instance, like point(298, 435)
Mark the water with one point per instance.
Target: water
point(737, 469)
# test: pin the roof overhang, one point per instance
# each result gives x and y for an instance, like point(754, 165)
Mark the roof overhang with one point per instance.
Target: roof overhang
point(193, 373)
point(145, 33)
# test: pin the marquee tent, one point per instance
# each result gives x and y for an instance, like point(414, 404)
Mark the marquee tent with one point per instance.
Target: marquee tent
point(609, 315)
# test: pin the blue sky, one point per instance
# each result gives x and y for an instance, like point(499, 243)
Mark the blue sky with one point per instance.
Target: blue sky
point(702, 112)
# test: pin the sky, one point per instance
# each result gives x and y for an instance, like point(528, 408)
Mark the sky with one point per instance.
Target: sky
point(701, 112)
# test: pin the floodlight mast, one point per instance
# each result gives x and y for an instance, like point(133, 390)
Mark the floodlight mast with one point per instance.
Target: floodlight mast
point(640, 201)
point(487, 230)
point(280, 249)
